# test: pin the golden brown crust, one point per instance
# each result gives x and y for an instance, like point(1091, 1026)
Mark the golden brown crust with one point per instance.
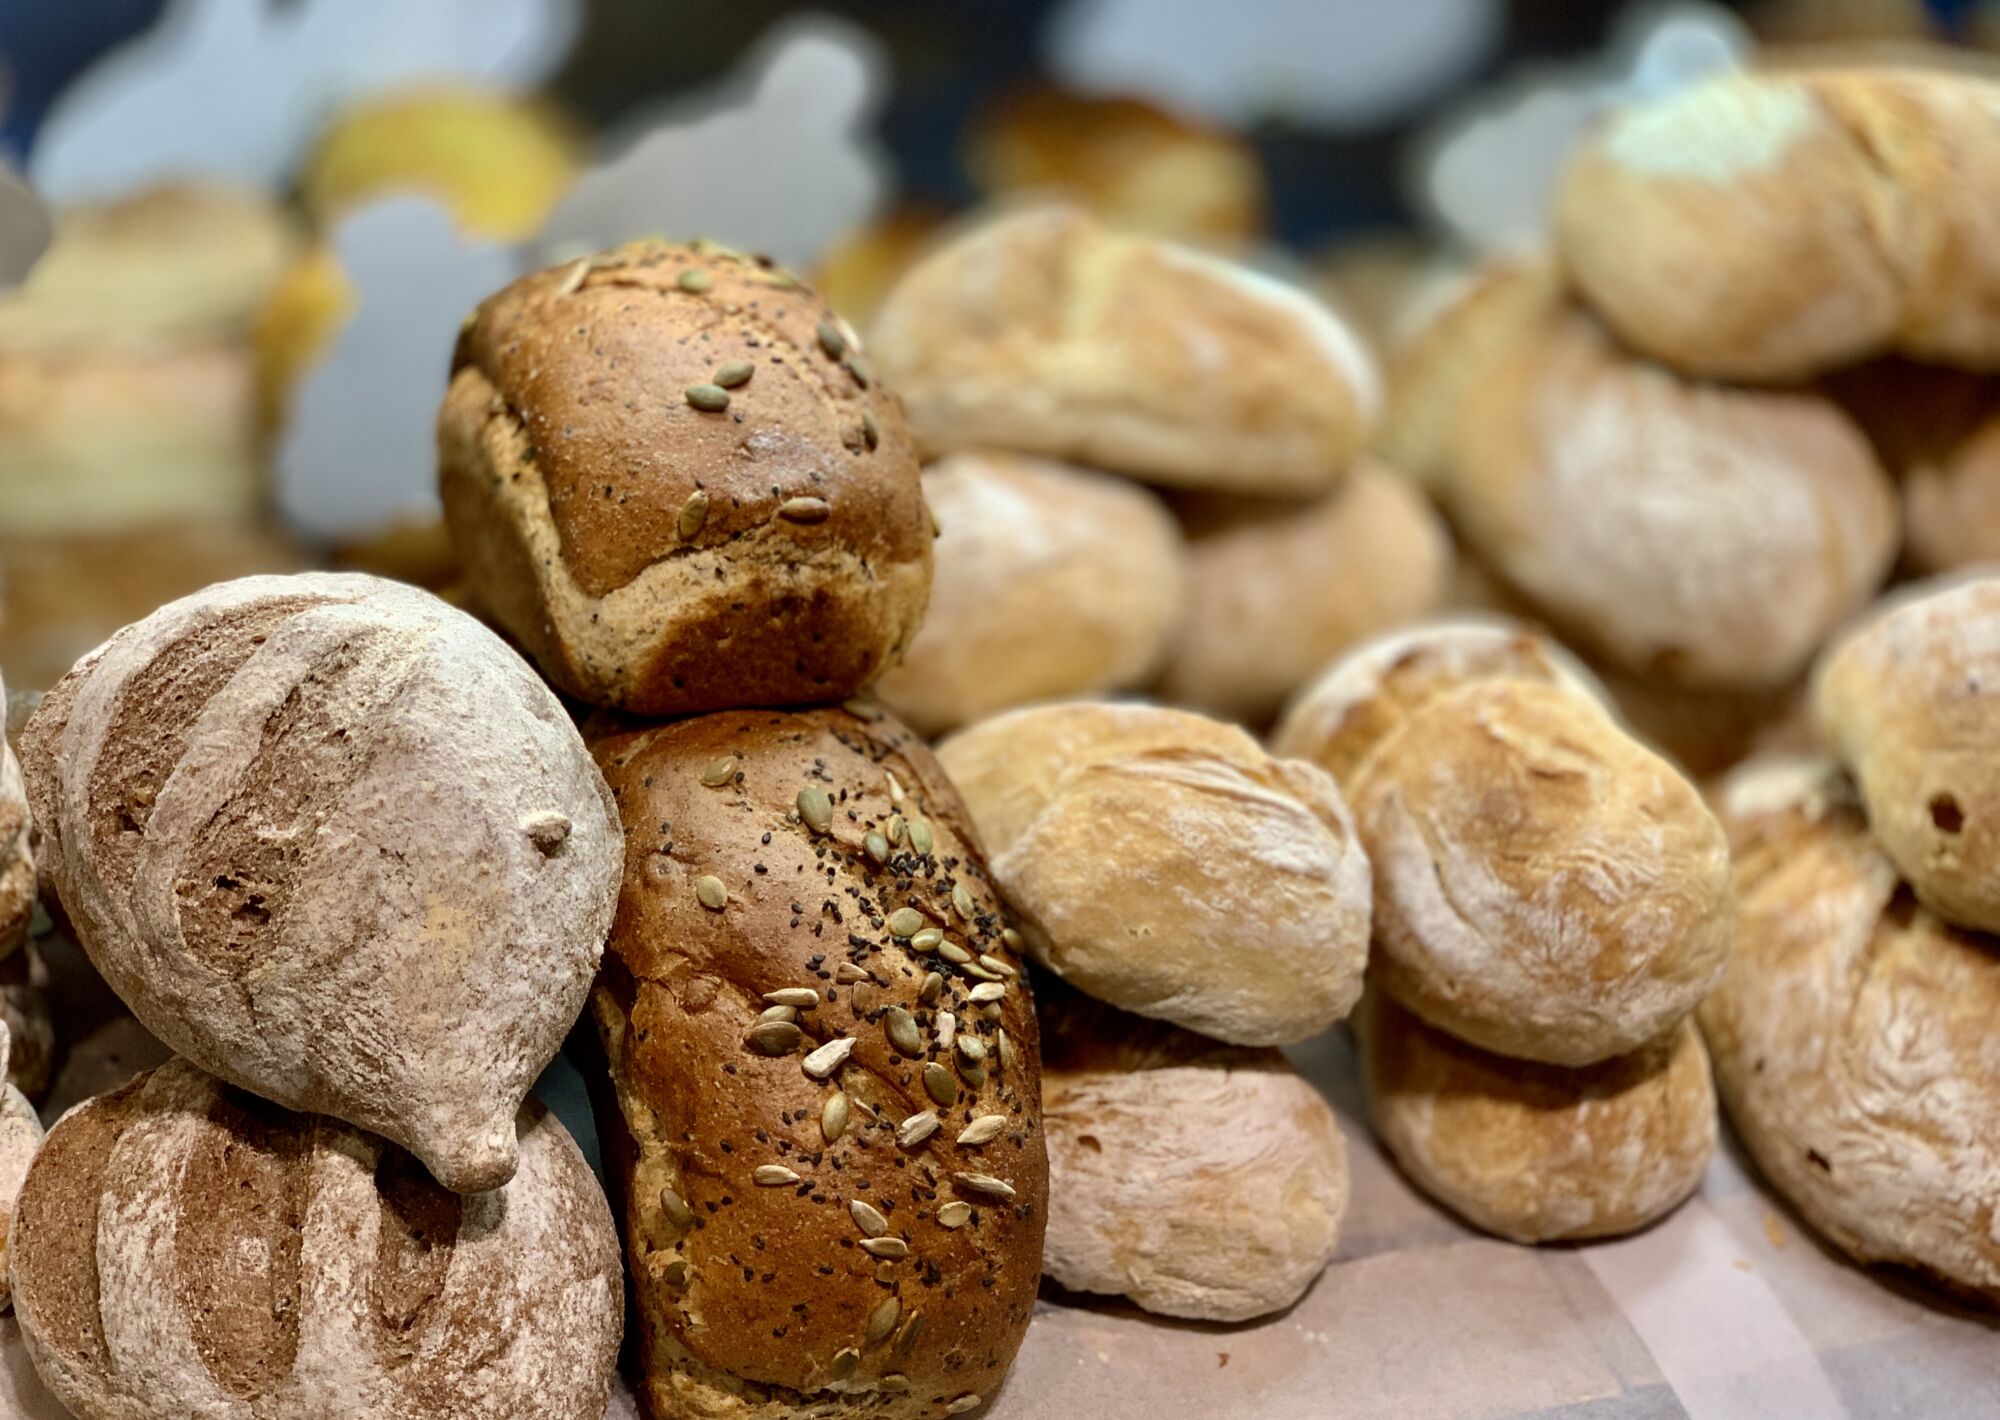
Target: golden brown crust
point(752, 1297)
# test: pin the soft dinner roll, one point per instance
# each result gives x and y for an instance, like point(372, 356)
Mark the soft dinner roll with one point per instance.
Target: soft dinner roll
point(1537, 1153)
point(17, 860)
point(1163, 862)
point(672, 477)
point(1853, 1035)
point(1045, 332)
point(1051, 581)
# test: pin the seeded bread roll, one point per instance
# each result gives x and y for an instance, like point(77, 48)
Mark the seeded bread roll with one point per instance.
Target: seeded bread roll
point(819, 1039)
point(1538, 1153)
point(1771, 226)
point(1200, 1180)
point(17, 861)
point(20, 1138)
point(181, 1248)
point(1052, 581)
point(673, 479)
point(333, 841)
point(1277, 591)
point(1545, 886)
point(1043, 332)
point(1161, 861)
point(1852, 1034)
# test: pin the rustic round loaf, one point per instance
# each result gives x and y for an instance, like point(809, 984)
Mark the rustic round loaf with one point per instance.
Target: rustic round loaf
point(17, 860)
point(333, 841)
point(1852, 1034)
point(1907, 701)
point(826, 1069)
point(1539, 1153)
point(1051, 581)
point(1163, 862)
point(20, 1138)
point(1770, 226)
point(672, 478)
point(181, 1248)
point(1277, 591)
point(1043, 332)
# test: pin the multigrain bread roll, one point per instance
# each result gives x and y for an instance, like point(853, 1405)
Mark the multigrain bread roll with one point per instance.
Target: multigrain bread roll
point(17, 859)
point(826, 1126)
point(1043, 332)
point(333, 841)
point(1545, 886)
point(20, 1139)
point(1277, 591)
point(1052, 581)
point(1852, 1034)
point(1162, 862)
point(673, 478)
point(1771, 226)
point(1539, 1153)
point(181, 1248)
point(1906, 700)
point(1199, 1179)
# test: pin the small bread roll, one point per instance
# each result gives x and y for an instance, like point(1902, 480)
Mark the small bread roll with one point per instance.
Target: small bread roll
point(1771, 226)
point(1536, 1153)
point(332, 840)
point(17, 860)
point(1907, 701)
point(1853, 1035)
point(672, 477)
point(1275, 592)
point(1162, 862)
point(1200, 1180)
point(181, 1249)
point(1044, 332)
point(20, 1138)
point(1052, 581)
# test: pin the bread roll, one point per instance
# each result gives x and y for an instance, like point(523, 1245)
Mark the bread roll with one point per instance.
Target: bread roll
point(1275, 592)
point(181, 1249)
point(1162, 862)
point(1538, 1153)
point(1770, 226)
point(858, 270)
point(20, 1138)
point(17, 860)
point(1853, 1035)
point(1200, 1180)
point(819, 1037)
point(333, 841)
point(1043, 332)
point(1052, 581)
point(673, 479)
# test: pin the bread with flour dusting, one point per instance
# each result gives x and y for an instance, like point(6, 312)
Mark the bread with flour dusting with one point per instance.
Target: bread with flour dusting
point(20, 1140)
point(17, 859)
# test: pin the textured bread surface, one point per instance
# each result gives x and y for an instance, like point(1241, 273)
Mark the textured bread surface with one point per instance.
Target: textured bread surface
point(17, 858)
point(1162, 862)
point(181, 1248)
point(1043, 332)
point(333, 841)
point(809, 1227)
point(1052, 581)
point(660, 557)
point(20, 1139)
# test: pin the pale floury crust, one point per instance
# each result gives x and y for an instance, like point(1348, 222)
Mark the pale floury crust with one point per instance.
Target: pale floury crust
point(17, 859)
point(181, 1248)
point(20, 1139)
point(1163, 862)
point(332, 840)
point(1044, 332)
point(1853, 1035)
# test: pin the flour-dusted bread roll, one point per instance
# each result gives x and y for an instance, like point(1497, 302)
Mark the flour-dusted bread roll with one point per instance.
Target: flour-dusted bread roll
point(1853, 1034)
point(1909, 700)
point(333, 841)
point(1275, 591)
point(20, 1139)
point(826, 1123)
point(1539, 1153)
point(1200, 1180)
point(17, 859)
point(1052, 581)
point(1162, 862)
point(1545, 886)
point(1043, 332)
point(673, 477)
point(1770, 226)
point(180, 1248)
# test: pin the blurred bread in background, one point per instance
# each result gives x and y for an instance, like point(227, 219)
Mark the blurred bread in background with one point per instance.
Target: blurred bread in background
point(859, 270)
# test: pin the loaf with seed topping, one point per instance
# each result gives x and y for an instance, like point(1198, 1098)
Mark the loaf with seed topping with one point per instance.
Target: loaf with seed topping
point(826, 1124)
point(332, 840)
point(17, 861)
point(672, 477)
point(182, 1248)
